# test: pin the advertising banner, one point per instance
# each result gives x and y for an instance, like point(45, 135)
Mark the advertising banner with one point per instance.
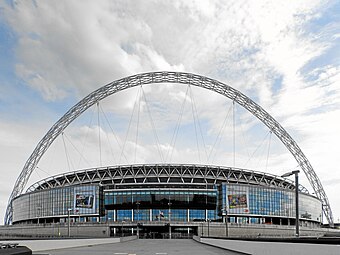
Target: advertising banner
point(237, 199)
point(85, 200)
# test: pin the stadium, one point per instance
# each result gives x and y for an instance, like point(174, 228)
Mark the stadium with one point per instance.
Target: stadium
point(165, 193)
point(169, 198)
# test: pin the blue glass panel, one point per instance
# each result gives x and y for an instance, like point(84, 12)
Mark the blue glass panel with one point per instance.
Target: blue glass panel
point(197, 215)
point(124, 215)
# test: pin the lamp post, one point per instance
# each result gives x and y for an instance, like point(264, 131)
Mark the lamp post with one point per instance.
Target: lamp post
point(208, 227)
point(297, 223)
point(69, 223)
point(169, 204)
point(123, 227)
point(137, 203)
point(39, 211)
point(226, 222)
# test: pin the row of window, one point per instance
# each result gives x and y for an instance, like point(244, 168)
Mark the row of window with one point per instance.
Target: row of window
point(161, 199)
point(55, 202)
point(245, 199)
point(230, 199)
point(160, 215)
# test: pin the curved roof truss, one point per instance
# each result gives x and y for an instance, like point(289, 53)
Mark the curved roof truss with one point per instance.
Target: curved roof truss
point(169, 77)
point(164, 174)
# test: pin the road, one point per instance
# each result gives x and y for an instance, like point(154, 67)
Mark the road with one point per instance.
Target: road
point(145, 247)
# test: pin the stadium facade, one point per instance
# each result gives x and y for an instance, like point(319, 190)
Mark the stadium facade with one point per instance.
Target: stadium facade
point(166, 193)
point(181, 195)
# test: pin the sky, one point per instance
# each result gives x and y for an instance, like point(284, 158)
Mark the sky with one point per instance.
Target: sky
point(285, 55)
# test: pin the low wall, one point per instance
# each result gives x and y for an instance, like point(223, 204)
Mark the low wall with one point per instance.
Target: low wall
point(244, 230)
point(55, 230)
point(128, 238)
point(269, 248)
point(212, 229)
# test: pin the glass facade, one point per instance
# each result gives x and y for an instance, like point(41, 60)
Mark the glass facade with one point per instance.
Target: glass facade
point(238, 199)
point(160, 199)
point(241, 203)
point(79, 200)
point(161, 204)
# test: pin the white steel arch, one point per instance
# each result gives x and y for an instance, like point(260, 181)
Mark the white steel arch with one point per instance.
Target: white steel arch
point(168, 77)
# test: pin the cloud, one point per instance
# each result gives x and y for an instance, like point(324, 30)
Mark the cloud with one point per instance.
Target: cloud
point(271, 51)
point(79, 46)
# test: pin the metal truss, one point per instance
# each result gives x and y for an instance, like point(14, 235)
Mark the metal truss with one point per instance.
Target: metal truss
point(164, 174)
point(169, 77)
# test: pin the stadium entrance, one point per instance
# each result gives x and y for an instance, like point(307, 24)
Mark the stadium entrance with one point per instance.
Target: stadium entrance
point(164, 231)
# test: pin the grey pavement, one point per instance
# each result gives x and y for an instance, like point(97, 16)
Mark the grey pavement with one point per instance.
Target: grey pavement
point(145, 247)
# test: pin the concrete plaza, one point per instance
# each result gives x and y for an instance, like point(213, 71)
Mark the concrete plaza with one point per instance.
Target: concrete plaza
point(144, 247)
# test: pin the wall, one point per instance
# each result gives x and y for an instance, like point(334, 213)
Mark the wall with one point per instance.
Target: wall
point(251, 230)
point(55, 230)
point(277, 248)
point(211, 229)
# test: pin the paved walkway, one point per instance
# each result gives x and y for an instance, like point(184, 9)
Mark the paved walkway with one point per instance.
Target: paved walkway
point(145, 247)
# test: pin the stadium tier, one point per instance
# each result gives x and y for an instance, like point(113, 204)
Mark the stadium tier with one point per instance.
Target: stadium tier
point(171, 193)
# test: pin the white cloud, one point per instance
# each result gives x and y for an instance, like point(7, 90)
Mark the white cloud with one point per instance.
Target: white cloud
point(262, 48)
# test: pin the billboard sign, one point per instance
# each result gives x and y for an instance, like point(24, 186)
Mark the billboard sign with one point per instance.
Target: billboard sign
point(84, 200)
point(237, 201)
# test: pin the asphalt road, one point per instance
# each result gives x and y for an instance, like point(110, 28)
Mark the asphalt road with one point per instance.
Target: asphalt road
point(145, 247)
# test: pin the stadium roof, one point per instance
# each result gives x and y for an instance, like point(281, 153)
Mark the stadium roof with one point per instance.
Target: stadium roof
point(171, 174)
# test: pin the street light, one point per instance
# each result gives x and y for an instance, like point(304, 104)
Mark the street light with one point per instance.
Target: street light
point(169, 204)
point(226, 222)
point(225, 219)
point(297, 223)
point(69, 223)
point(137, 203)
point(123, 227)
point(209, 227)
point(39, 211)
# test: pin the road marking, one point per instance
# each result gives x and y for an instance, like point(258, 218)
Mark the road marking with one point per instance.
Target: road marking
point(119, 253)
point(161, 253)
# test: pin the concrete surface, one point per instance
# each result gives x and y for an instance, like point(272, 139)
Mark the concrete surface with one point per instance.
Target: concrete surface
point(214, 229)
point(42, 245)
point(55, 230)
point(146, 247)
point(270, 248)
